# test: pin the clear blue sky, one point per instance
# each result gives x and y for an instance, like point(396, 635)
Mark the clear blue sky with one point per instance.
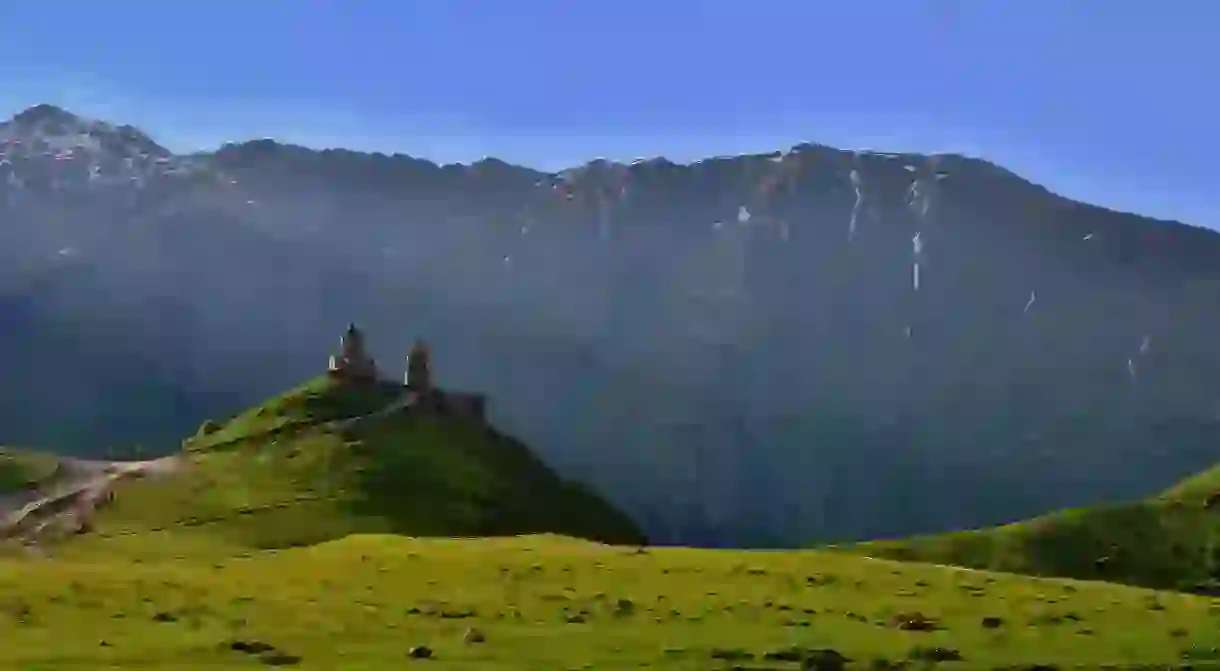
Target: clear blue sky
point(1109, 101)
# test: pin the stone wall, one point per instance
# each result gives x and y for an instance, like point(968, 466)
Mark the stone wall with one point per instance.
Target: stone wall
point(469, 406)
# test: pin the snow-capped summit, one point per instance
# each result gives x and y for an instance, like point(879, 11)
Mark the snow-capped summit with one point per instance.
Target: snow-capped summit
point(48, 126)
point(43, 113)
point(45, 144)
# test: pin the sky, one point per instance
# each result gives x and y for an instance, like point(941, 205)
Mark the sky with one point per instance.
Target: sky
point(1112, 102)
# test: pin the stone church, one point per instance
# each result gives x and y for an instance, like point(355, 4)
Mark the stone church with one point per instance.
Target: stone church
point(353, 365)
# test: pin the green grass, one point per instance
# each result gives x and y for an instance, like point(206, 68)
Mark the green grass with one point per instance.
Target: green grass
point(314, 402)
point(22, 469)
point(317, 538)
point(547, 602)
point(292, 473)
point(1170, 541)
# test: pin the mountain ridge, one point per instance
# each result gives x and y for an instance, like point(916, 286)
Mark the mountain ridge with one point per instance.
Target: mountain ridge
point(749, 319)
point(42, 111)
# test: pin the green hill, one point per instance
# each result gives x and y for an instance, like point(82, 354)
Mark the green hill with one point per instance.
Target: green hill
point(281, 538)
point(21, 470)
point(326, 460)
point(1169, 541)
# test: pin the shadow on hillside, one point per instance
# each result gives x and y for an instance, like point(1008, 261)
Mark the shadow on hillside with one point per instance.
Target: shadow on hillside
point(435, 476)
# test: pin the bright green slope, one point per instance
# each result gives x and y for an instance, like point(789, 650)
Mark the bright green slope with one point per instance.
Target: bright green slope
point(546, 602)
point(287, 530)
point(295, 472)
point(21, 469)
point(1170, 541)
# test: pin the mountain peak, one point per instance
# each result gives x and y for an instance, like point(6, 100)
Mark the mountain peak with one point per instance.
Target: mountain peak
point(57, 125)
point(45, 148)
point(44, 113)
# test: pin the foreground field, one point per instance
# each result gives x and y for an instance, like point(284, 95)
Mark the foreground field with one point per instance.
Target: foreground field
point(283, 537)
point(546, 602)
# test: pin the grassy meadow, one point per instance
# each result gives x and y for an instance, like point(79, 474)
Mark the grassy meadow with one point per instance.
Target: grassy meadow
point(549, 602)
point(296, 535)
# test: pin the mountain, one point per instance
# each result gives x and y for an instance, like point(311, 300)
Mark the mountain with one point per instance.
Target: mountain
point(321, 462)
point(1167, 541)
point(734, 349)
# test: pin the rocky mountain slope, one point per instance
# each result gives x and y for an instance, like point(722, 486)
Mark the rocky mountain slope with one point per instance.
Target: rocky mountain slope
point(734, 349)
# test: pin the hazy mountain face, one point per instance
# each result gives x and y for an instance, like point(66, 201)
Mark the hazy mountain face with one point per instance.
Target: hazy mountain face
point(734, 350)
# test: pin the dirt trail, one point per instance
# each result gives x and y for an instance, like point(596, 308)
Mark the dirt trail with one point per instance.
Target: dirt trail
point(69, 499)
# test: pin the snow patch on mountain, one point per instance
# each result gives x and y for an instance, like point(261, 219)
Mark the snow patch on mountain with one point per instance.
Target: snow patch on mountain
point(51, 147)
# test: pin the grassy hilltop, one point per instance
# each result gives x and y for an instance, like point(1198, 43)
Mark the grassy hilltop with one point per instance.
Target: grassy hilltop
point(297, 534)
point(303, 468)
point(1168, 541)
point(22, 469)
